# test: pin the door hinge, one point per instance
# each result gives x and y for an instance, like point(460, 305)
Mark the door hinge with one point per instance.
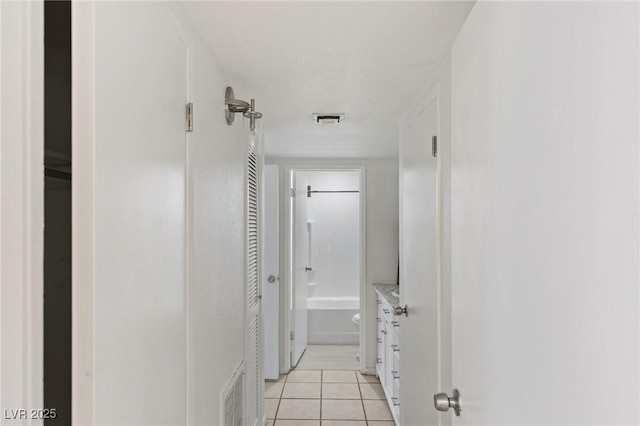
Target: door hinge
point(434, 146)
point(189, 117)
point(291, 335)
point(292, 192)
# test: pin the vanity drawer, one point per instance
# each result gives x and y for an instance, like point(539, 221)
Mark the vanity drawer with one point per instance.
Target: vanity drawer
point(396, 336)
point(395, 369)
point(387, 312)
point(395, 398)
point(395, 350)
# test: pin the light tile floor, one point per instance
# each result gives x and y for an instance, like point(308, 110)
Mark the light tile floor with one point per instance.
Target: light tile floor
point(326, 398)
point(330, 357)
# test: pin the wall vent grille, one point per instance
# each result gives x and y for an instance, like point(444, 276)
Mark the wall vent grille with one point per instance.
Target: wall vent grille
point(329, 118)
point(231, 399)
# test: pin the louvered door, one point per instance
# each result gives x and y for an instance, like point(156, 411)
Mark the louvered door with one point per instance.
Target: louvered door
point(253, 376)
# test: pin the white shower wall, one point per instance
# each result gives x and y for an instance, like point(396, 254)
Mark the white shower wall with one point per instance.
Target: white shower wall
point(334, 226)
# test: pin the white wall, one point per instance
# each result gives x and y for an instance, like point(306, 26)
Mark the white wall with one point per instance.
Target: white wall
point(201, 320)
point(216, 245)
point(381, 237)
point(545, 174)
point(335, 233)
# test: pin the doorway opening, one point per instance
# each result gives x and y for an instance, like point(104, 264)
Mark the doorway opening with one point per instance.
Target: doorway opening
point(57, 213)
point(325, 268)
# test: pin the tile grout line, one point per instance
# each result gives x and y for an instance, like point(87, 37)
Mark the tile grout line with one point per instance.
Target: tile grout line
point(275, 415)
point(321, 386)
point(362, 401)
point(286, 377)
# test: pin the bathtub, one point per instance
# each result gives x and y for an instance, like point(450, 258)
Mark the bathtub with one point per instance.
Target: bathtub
point(329, 320)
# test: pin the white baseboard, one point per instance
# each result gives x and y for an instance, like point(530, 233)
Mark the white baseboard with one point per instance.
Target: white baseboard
point(369, 371)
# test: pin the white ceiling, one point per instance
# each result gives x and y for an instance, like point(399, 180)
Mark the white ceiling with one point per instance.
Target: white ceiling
point(369, 60)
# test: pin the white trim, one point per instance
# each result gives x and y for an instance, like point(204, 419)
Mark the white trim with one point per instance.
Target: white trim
point(363, 268)
point(284, 273)
point(363, 255)
point(370, 372)
point(433, 95)
point(439, 233)
point(22, 202)
point(83, 250)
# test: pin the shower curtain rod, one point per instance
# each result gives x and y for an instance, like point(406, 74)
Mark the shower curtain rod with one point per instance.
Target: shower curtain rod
point(309, 192)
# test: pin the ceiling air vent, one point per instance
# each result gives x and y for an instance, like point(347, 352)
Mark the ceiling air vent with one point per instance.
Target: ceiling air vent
point(328, 118)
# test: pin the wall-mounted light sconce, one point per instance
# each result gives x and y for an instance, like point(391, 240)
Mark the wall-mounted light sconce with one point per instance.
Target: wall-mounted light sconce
point(233, 105)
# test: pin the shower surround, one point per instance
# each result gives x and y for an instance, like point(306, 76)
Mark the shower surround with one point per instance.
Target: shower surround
point(334, 255)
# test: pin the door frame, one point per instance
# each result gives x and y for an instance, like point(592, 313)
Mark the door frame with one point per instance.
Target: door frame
point(22, 198)
point(433, 95)
point(83, 119)
point(263, 244)
point(288, 279)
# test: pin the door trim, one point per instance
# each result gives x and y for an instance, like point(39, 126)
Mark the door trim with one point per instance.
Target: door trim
point(434, 95)
point(265, 189)
point(83, 119)
point(22, 198)
point(288, 278)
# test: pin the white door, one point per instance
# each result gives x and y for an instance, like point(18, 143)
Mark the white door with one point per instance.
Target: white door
point(545, 215)
point(254, 380)
point(130, 322)
point(419, 264)
point(300, 259)
point(270, 273)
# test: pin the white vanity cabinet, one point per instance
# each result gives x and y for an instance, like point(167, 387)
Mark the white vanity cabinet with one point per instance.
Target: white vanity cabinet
point(388, 355)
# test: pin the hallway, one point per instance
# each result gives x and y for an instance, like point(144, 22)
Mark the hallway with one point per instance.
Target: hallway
point(326, 398)
point(498, 250)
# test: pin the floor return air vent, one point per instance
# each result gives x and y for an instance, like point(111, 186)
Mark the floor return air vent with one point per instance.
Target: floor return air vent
point(231, 399)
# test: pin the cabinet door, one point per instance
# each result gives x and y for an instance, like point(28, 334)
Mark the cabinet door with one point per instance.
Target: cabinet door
point(395, 399)
point(395, 362)
point(388, 364)
point(381, 344)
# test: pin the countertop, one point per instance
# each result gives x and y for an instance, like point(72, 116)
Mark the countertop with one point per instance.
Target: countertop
point(385, 291)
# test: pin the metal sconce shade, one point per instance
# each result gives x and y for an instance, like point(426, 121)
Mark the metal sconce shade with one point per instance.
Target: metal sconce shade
point(233, 106)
